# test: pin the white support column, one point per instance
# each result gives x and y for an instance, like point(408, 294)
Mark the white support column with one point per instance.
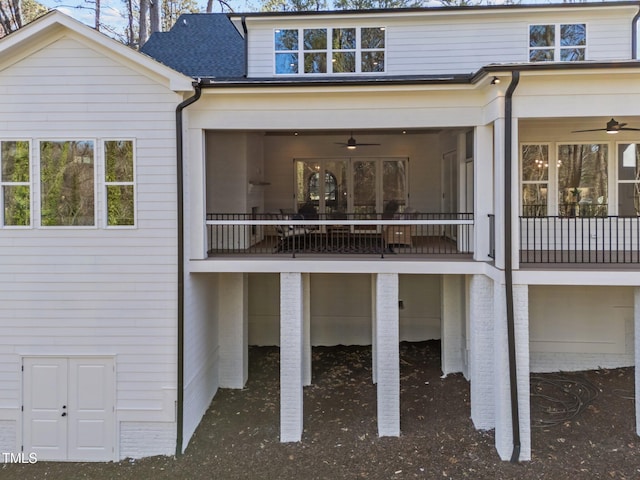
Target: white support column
point(374, 335)
point(306, 305)
point(503, 429)
point(291, 356)
point(482, 183)
point(452, 323)
point(481, 352)
point(388, 354)
point(515, 195)
point(498, 182)
point(636, 317)
point(233, 329)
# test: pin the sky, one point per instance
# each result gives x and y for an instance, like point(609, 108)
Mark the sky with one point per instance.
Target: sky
point(110, 13)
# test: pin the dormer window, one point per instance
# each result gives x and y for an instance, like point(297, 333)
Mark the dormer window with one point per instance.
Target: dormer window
point(329, 50)
point(557, 43)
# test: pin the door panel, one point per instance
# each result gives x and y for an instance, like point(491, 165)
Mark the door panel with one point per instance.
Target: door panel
point(91, 431)
point(45, 395)
point(69, 408)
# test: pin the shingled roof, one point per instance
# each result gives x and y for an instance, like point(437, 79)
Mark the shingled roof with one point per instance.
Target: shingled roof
point(200, 45)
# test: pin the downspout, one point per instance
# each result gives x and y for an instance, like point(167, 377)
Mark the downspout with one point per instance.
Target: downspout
point(180, 215)
point(246, 45)
point(634, 36)
point(508, 266)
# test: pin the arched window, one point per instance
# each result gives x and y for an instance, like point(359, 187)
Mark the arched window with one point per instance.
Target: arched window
point(330, 187)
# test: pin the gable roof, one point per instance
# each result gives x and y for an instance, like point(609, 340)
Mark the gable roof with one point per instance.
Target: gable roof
point(200, 45)
point(54, 25)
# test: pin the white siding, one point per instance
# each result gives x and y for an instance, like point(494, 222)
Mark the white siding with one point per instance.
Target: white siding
point(458, 42)
point(580, 327)
point(74, 291)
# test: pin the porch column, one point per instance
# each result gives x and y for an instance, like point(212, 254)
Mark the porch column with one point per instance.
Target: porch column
point(374, 335)
point(452, 324)
point(481, 352)
point(503, 428)
point(482, 183)
point(388, 354)
point(636, 317)
point(306, 305)
point(498, 182)
point(233, 329)
point(291, 356)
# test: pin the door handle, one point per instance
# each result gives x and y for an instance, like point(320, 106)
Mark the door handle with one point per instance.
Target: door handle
point(64, 414)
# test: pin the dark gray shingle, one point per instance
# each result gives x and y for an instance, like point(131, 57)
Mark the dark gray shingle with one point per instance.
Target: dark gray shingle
point(200, 45)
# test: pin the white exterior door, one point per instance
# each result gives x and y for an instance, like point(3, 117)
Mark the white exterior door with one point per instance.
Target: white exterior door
point(69, 408)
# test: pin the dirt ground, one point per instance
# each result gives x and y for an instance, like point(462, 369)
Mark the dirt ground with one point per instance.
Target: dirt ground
point(583, 428)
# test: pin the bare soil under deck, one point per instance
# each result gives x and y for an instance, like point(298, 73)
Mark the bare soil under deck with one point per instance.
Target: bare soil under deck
point(238, 437)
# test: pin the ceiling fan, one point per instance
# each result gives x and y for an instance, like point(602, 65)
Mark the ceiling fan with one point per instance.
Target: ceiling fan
point(351, 143)
point(613, 126)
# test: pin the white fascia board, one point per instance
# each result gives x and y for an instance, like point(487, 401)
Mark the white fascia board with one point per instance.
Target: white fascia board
point(54, 25)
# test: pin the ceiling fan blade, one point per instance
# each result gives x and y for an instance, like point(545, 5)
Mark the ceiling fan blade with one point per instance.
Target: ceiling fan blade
point(630, 128)
point(590, 130)
point(367, 144)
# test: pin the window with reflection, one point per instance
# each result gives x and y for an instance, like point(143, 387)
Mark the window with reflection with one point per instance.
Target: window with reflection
point(286, 48)
point(583, 180)
point(67, 183)
point(535, 179)
point(119, 182)
point(329, 50)
point(15, 183)
point(557, 42)
point(629, 179)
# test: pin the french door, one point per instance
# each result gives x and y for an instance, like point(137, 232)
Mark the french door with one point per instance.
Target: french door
point(68, 408)
point(364, 186)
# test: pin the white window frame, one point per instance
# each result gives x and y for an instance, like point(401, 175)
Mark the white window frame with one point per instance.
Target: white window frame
point(15, 184)
point(614, 199)
point(550, 182)
point(330, 50)
point(38, 183)
point(557, 47)
point(105, 183)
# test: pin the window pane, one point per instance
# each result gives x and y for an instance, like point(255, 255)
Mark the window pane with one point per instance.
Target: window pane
point(394, 183)
point(534, 200)
point(335, 187)
point(628, 199)
point(372, 37)
point(373, 61)
point(315, 39)
point(315, 62)
point(14, 158)
point(542, 35)
point(541, 55)
point(629, 162)
point(120, 205)
point(364, 187)
point(344, 39)
point(344, 62)
point(572, 54)
point(16, 205)
point(535, 163)
point(573, 35)
point(582, 179)
point(286, 39)
point(286, 63)
point(67, 183)
point(119, 161)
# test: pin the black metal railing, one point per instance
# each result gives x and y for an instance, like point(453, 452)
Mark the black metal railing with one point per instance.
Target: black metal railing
point(595, 239)
point(492, 236)
point(567, 210)
point(415, 233)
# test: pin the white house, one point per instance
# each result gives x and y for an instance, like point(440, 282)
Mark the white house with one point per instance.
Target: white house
point(464, 174)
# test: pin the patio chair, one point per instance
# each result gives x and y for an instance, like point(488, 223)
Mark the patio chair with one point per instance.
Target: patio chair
point(293, 238)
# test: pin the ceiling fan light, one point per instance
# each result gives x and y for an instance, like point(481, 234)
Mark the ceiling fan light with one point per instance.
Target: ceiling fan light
point(351, 147)
point(612, 132)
